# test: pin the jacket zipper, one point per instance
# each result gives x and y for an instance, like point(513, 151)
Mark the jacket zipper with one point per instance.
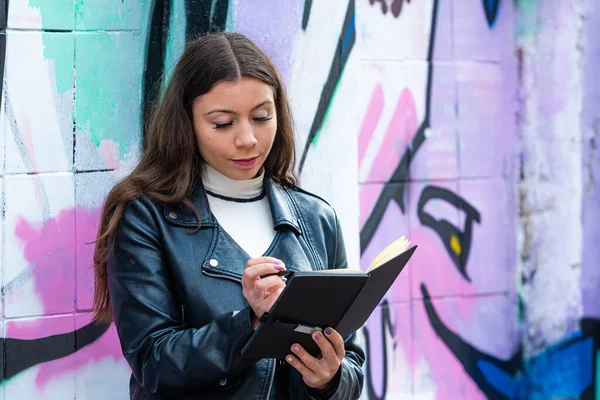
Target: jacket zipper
point(271, 382)
point(221, 276)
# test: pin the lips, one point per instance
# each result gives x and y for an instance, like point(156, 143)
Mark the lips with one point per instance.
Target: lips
point(246, 162)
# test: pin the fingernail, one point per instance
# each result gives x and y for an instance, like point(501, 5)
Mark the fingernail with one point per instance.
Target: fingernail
point(296, 349)
point(278, 267)
point(284, 280)
point(318, 336)
point(290, 360)
point(328, 331)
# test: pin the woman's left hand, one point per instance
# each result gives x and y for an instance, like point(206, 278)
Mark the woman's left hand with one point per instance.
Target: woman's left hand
point(318, 372)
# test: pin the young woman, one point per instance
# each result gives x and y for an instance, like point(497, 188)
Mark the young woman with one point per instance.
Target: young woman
point(211, 208)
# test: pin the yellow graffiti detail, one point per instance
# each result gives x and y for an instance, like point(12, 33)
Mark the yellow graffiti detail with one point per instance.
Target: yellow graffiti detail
point(455, 245)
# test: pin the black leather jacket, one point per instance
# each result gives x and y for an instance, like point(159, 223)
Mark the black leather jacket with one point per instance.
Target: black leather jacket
point(178, 305)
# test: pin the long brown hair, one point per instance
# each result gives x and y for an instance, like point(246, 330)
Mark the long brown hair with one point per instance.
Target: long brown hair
point(170, 164)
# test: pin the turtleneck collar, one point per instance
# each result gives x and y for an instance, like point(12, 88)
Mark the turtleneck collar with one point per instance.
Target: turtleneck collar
point(217, 183)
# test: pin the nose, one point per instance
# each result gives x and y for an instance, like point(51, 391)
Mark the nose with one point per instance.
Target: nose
point(245, 137)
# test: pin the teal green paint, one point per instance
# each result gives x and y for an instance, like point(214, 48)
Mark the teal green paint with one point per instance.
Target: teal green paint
point(110, 14)
point(521, 309)
point(109, 70)
point(597, 377)
point(56, 14)
point(230, 20)
point(175, 38)
point(526, 22)
point(59, 48)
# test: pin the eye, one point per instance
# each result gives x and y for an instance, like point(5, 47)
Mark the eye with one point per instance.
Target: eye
point(223, 125)
point(263, 119)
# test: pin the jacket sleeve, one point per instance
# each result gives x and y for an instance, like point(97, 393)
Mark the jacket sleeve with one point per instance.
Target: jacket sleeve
point(350, 378)
point(164, 355)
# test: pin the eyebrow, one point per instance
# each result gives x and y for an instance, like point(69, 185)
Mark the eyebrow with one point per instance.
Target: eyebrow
point(234, 113)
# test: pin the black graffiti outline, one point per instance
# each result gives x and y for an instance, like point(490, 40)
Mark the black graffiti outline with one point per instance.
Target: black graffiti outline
point(386, 326)
point(397, 193)
point(19, 355)
point(306, 13)
point(157, 45)
point(467, 354)
point(202, 17)
point(342, 52)
point(395, 7)
point(447, 230)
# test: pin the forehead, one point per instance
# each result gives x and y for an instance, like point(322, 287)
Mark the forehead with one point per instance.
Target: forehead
point(243, 93)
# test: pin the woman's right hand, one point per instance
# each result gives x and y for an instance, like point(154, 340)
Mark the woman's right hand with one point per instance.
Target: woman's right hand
point(261, 293)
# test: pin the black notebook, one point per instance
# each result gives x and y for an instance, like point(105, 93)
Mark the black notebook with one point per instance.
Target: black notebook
point(342, 299)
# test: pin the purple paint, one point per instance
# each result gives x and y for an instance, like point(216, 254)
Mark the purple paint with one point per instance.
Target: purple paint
point(474, 39)
point(437, 158)
point(272, 25)
point(590, 274)
point(493, 238)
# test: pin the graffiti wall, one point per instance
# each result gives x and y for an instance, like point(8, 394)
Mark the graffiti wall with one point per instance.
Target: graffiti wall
point(407, 121)
point(435, 163)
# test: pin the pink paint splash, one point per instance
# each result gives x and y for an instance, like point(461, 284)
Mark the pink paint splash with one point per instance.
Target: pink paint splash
point(27, 138)
point(50, 249)
point(434, 362)
point(106, 347)
point(429, 364)
point(40, 327)
point(109, 152)
point(433, 267)
point(402, 127)
point(436, 370)
point(370, 121)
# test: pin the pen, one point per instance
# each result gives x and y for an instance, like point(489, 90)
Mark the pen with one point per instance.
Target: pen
point(281, 273)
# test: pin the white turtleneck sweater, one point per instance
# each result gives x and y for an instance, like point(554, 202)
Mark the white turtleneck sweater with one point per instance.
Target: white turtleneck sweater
point(242, 210)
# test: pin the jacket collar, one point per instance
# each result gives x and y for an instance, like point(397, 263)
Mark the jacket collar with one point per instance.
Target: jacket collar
point(283, 209)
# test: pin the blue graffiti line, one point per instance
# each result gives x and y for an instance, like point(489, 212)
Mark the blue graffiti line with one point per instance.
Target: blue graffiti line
point(502, 381)
point(491, 11)
point(349, 35)
point(562, 371)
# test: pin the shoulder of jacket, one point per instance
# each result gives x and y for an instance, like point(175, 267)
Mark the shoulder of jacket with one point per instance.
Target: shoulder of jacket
point(309, 196)
point(312, 203)
point(143, 206)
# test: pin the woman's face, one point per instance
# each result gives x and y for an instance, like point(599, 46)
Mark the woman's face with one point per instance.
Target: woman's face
point(235, 125)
